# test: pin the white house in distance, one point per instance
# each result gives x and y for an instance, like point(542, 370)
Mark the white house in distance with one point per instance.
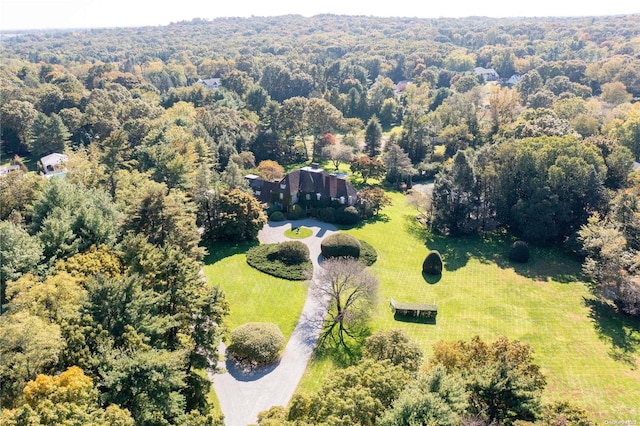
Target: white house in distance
point(5, 170)
point(489, 74)
point(210, 83)
point(53, 164)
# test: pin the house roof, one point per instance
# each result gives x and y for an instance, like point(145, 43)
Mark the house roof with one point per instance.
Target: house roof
point(51, 161)
point(210, 83)
point(5, 170)
point(485, 71)
point(305, 180)
point(514, 79)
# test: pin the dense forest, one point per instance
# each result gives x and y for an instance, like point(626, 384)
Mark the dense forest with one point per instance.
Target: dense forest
point(101, 291)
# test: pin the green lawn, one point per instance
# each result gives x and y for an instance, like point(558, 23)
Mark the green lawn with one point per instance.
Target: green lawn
point(588, 353)
point(253, 295)
point(300, 233)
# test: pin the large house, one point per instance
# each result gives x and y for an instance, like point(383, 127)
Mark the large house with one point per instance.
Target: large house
point(308, 186)
point(489, 74)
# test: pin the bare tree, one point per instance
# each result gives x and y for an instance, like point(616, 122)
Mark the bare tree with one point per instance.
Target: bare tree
point(351, 290)
point(423, 203)
point(337, 153)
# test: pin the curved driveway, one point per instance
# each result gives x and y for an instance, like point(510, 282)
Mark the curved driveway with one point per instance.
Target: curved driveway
point(243, 395)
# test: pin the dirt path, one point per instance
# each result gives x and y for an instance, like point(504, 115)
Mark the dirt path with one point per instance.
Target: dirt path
point(242, 396)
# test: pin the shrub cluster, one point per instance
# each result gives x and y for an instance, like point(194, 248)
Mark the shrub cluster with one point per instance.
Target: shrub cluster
point(256, 343)
point(340, 215)
point(519, 252)
point(326, 214)
point(289, 260)
point(340, 245)
point(295, 212)
point(347, 216)
point(432, 264)
point(276, 216)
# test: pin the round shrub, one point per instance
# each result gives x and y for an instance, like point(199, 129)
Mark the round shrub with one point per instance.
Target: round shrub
point(340, 245)
point(256, 343)
point(519, 252)
point(295, 212)
point(347, 216)
point(292, 253)
point(432, 264)
point(277, 216)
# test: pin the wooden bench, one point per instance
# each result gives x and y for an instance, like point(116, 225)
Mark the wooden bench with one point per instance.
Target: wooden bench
point(418, 310)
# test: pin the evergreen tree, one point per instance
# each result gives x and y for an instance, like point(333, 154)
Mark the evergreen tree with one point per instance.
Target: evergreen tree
point(373, 137)
point(454, 196)
point(397, 164)
point(49, 134)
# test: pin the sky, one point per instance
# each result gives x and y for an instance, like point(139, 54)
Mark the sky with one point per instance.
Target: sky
point(50, 14)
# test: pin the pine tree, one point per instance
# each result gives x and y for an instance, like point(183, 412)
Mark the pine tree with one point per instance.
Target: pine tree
point(373, 137)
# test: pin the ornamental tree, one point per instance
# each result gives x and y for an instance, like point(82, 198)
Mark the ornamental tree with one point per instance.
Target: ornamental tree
point(367, 167)
point(232, 215)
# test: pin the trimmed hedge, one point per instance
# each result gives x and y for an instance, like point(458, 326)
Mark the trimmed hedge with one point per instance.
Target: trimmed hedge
point(340, 245)
point(368, 254)
point(519, 252)
point(432, 264)
point(291, 253)
point(278, 260)
point(256, 343)
point(277, 216)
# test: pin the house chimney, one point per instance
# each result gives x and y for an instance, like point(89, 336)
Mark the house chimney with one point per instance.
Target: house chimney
point(315, 166)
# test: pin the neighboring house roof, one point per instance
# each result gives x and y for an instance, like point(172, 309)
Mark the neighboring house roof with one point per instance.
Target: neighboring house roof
point(402, 86)
point(514, 79)
point(52, 163)
point(5, 170)
point(210, 83)
point(488, 73)
point(635, 166)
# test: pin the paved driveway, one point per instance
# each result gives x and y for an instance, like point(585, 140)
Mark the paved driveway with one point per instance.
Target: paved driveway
point(242, 396)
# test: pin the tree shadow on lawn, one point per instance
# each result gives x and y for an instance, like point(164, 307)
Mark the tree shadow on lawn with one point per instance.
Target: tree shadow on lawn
point(340, 355)
point(223, 249)
point(544, 264)
point(618, 328)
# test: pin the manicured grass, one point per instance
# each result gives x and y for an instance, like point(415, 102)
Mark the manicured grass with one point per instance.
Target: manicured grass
point(253, 295)
point(588, 353)
point(299, 233)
